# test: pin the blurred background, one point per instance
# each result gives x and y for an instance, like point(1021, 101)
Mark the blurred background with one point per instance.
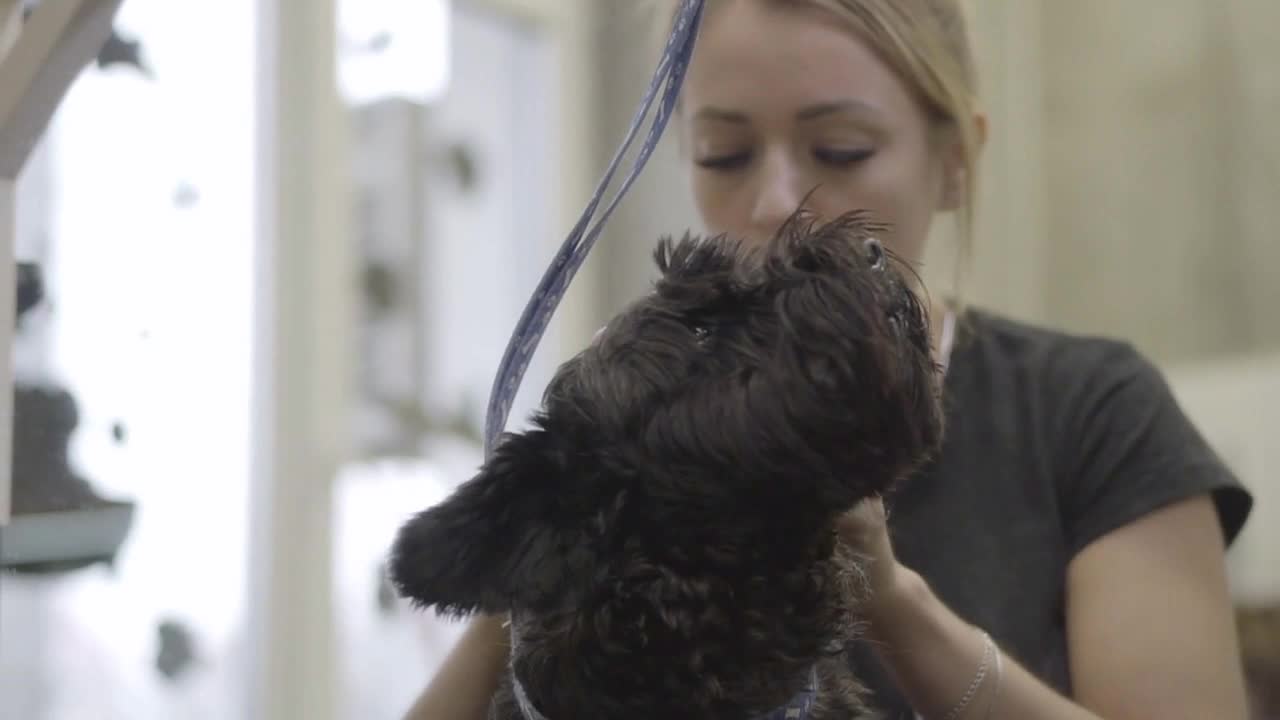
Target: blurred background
point(275, 249)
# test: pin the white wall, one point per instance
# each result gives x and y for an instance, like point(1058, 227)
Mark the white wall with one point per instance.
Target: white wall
point(148, 325)
point(1236, 404)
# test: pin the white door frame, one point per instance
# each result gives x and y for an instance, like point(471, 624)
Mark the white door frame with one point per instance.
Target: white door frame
point(302, 379)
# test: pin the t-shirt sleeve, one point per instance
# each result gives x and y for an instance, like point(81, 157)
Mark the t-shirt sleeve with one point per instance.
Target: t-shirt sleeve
point(1127, 449)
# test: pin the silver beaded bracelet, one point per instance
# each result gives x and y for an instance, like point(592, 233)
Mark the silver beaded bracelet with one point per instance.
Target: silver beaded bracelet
point(995, 687)
point(989, 649)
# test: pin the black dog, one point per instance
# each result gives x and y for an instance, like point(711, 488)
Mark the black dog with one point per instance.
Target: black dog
point(663, 537)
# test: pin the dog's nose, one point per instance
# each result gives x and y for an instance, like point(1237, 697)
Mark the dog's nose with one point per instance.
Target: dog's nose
point(875, 252)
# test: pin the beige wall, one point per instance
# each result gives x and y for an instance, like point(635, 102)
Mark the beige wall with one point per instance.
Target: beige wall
point(1145, 146)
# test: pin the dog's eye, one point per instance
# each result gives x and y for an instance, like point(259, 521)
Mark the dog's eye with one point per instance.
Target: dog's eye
point(875, 252)
point(701, 333)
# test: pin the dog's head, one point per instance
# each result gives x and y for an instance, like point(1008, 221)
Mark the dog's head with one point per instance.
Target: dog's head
point(802, 367)
point(710, 432)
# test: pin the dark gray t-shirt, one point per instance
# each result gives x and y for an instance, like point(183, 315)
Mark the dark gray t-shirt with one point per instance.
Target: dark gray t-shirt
point(1053, 440)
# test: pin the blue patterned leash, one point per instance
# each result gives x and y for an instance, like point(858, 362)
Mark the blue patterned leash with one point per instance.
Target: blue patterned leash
point(668, 78)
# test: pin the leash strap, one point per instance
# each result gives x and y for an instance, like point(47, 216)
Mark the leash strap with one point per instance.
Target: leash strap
point(668, 78)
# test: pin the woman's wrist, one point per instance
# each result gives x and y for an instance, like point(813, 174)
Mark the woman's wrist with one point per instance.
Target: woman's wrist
point(902, 595)
point(946, 667)
point(934, 657)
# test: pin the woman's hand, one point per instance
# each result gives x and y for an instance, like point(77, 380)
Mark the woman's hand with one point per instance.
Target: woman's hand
point(865, 529)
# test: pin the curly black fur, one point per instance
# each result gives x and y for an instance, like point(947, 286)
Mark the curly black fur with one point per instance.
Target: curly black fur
point(663, 537)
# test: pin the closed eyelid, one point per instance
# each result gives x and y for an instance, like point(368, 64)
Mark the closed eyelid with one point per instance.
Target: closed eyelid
point(720, 148)
point(851, 152)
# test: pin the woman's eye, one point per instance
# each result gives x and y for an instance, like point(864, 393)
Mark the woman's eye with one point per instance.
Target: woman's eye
point(725, 162)
point(842, 158)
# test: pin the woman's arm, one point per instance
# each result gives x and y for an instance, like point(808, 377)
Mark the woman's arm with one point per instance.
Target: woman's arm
point(934, 658)
point(1150, 632)
point(1150, 622)
point(467, 680)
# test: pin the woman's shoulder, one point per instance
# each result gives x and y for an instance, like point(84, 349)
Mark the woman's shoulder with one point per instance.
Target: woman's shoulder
point(1119, 441)
point(1067, 368)
point(1050, 382)
point(1003, 339)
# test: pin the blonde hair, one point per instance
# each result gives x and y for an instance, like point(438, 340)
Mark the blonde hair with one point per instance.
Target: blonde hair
point(926, 44)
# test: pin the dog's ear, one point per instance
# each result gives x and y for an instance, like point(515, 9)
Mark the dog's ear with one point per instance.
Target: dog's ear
point(496, 542)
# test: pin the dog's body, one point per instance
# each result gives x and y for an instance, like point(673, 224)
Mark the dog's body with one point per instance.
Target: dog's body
point(663, 537)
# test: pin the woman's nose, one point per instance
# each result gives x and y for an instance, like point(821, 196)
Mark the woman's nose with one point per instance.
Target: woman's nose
point(779, 193)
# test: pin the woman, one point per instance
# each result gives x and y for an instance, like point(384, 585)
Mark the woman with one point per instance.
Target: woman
point(1075, 517)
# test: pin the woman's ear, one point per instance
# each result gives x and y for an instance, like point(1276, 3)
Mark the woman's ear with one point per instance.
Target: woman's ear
point(953, 184)
point(955, 175)
point(980, 128)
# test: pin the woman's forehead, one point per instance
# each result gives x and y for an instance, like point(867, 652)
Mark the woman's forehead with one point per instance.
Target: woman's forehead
point(752, 56)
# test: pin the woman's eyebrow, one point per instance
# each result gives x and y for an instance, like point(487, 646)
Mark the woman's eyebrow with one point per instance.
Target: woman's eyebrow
point(810, 112)
point(721, 115)
point(853, 107)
